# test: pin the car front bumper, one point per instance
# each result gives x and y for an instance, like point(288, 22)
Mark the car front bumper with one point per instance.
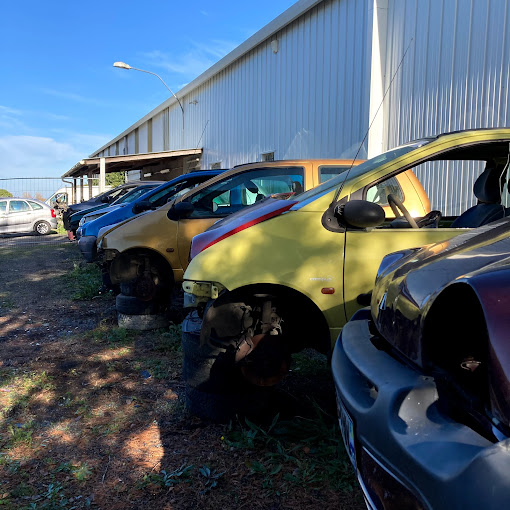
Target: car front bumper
point(407, 454)
point(87, 245)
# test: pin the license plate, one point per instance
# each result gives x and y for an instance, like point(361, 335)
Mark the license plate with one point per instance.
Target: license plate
point(347, 429)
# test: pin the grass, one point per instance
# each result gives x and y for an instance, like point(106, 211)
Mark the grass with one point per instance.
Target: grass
point(84, 281)
point(295, 453)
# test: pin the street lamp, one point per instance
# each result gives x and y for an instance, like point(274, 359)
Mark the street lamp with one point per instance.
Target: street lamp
point(123, 65)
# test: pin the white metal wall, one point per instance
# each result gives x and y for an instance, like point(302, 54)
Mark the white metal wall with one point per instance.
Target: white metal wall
point(455, 76)
point(310, 99)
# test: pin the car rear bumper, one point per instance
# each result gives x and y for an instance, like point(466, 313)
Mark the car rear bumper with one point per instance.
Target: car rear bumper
point(87, 245)
point(407, 453)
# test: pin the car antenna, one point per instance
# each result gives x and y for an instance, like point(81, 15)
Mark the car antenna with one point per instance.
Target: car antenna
point(372, 121)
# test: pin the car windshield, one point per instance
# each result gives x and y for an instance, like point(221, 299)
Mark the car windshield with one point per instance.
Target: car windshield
point(161, 197)
point(356, 171)
point(133, 195)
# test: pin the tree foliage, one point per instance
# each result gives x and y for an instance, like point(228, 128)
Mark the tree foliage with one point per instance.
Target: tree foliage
point(5, 193)
point(115, 178)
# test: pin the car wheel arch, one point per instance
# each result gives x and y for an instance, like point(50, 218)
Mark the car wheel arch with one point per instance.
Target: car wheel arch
point(300, 314)
point(126, 265)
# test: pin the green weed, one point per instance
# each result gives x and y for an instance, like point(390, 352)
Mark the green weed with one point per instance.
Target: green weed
point(84, 281)
point(211, 478)
point(170, 340)
point(21, 434)
point(298, 452)
point(166, 478)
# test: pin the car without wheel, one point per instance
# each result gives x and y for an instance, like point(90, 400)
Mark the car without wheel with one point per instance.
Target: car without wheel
point(147, 255)
point(422, 376)
point(22, 215)
point(288, 276)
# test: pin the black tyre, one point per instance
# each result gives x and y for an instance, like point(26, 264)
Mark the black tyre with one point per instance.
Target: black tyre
point(215, 387)
point(209, 369)
point(128, 288)
point(222, 408)
point(42, 228)
point(130, 305)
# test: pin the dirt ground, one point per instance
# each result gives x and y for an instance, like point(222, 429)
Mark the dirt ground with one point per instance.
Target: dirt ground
point(92, 415)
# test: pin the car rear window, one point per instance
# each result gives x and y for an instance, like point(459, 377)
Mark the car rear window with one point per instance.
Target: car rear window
point(35, 205)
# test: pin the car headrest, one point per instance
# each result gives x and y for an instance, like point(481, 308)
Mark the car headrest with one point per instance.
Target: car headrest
point(297, 187)
point(488, 185)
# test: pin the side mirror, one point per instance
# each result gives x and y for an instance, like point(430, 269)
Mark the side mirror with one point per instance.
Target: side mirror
point(360, 214)
point(105, 199)
point(180, 211)
point(143, 205)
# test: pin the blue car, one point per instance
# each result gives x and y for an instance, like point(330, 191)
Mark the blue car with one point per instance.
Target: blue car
point(149, 201)
point(79, 218)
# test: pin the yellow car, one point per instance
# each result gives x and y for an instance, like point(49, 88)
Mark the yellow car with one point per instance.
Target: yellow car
point(147, 254)
point(271, 282)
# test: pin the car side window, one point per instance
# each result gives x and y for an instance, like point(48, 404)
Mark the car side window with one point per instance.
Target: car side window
point(378, 193)
point(241, 190)
point(327, 172)
point(18, 206)
point(35, 205)
point(3, 206)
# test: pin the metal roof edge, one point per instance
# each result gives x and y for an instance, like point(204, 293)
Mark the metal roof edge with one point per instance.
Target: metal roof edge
point(284, 19)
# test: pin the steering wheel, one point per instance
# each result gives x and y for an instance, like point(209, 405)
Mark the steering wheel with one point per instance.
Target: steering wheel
point(397, 206)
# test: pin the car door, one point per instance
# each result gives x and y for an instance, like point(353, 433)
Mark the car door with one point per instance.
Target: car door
point(3, 216)
point(365, 248)
point(233, 194)
point(18, 216)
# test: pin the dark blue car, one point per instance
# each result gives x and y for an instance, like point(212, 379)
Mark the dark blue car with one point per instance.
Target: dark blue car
point(149, 201)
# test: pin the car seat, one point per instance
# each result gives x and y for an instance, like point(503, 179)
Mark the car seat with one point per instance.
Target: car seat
point(297, 187)
point(487, 189)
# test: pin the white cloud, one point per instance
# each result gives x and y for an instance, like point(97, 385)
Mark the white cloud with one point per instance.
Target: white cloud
point(193, 62)
point(29, 156)
point(6, 110)
point(72, 97)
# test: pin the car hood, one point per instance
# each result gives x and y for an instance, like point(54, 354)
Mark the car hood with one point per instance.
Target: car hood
point(406, 288)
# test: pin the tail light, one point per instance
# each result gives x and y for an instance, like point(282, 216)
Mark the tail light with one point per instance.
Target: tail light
point(53, 215)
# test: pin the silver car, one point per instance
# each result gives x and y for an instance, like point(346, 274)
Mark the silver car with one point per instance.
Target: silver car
point(19, 215)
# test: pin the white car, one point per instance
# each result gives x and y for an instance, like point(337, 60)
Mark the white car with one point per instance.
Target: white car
point(19, 215)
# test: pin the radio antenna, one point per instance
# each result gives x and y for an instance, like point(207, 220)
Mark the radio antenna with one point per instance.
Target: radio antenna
point(373, 119)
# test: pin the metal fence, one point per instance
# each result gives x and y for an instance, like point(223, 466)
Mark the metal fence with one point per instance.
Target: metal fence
point(40, 188)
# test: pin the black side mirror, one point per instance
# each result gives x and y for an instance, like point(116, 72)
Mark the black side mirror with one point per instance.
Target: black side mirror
point(180, 211)
point(105, 199)
point(360, 214)
point(140, 207)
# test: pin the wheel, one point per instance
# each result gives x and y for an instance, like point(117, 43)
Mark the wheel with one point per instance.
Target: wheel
point(42, 228)
point(142, 322)
point(130, 305)
point(396, 206)
point(210, 369)
point(128, 288)
point(221, 408)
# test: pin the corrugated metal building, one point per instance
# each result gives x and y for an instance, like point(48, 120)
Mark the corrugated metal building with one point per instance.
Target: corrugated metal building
point(326, 78)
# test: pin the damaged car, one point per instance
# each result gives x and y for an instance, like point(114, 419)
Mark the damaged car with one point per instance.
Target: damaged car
point(288, 276)
point(422, 376)
point(146, 255)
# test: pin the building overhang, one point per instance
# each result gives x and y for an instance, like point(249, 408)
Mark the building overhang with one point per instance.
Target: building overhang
point(90, 166)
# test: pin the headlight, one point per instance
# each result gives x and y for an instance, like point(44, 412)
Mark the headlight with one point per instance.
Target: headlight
point(82, 221)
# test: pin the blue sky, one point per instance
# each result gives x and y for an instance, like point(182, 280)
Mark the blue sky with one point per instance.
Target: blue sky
point(60, 96)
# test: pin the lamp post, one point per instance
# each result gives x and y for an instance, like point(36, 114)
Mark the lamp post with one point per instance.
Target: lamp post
point(123, 65)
